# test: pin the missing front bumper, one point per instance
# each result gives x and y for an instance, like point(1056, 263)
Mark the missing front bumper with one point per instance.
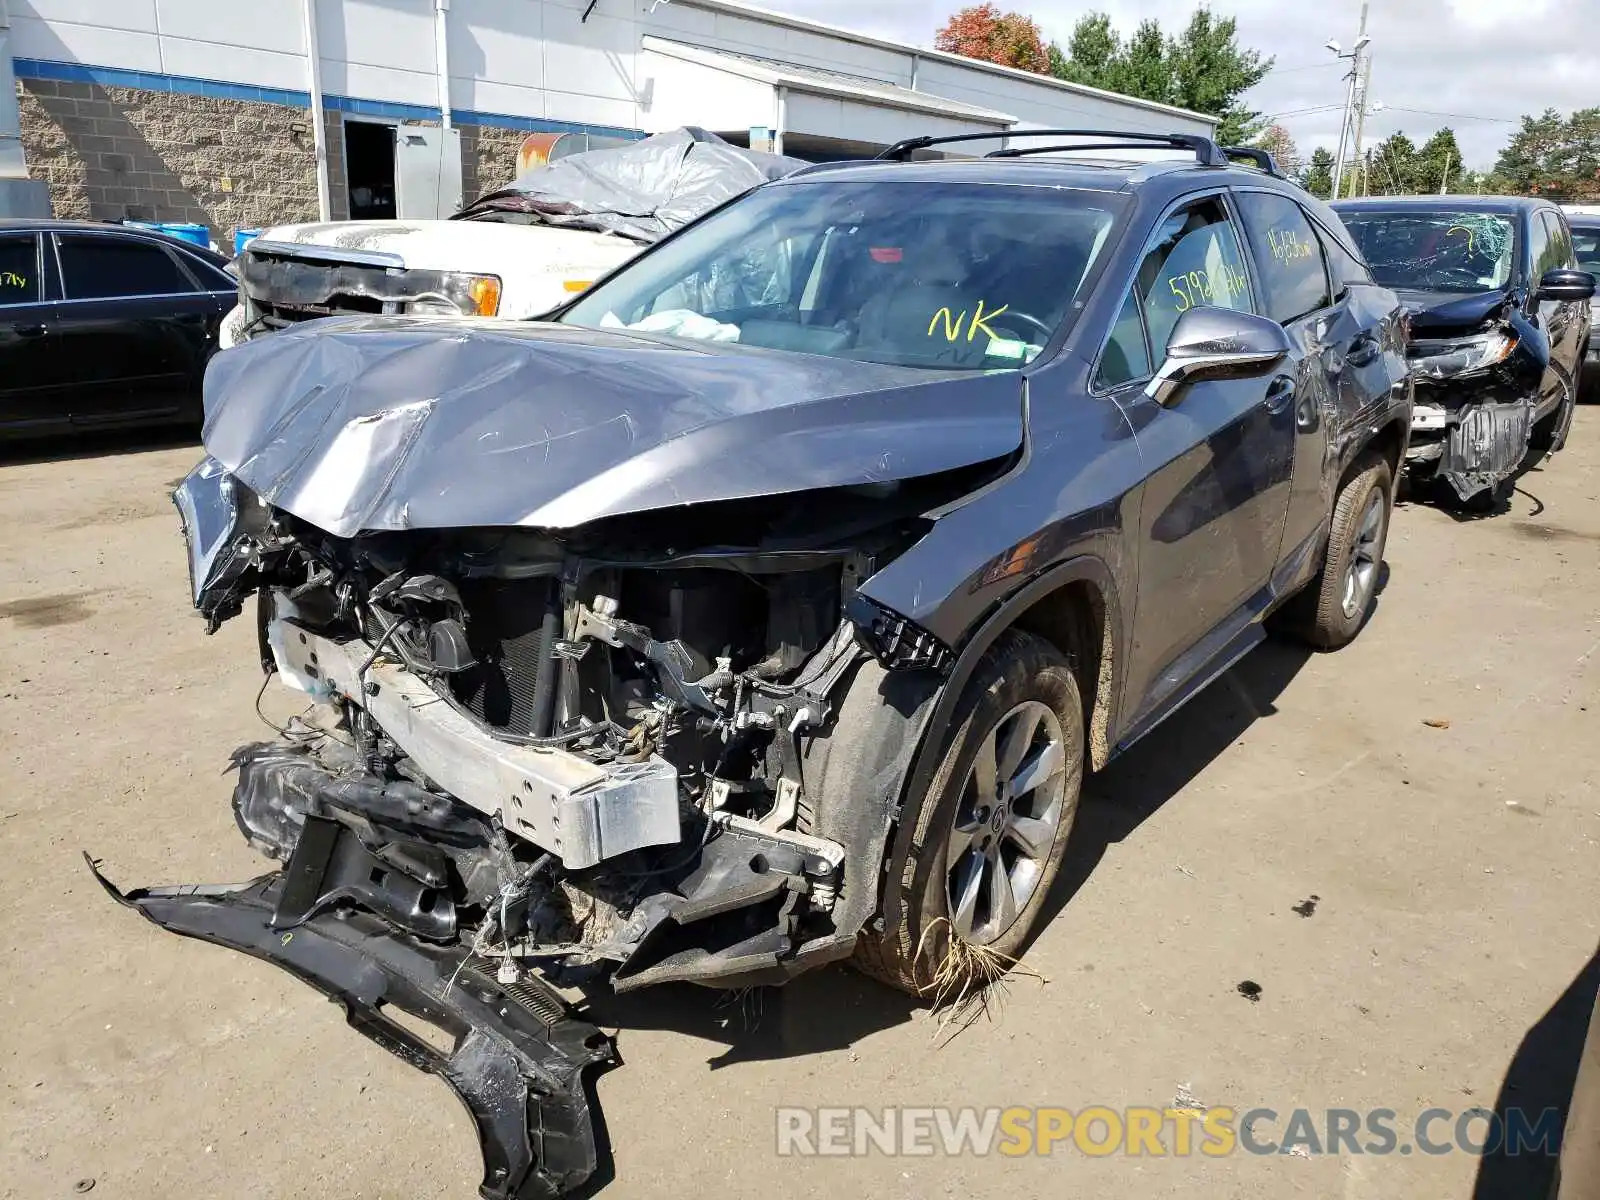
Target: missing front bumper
point(517, 1053)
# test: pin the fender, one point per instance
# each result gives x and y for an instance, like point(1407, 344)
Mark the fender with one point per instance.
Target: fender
point(926, 762)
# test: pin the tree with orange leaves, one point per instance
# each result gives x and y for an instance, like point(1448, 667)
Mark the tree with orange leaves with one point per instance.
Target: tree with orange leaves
point(982, 31)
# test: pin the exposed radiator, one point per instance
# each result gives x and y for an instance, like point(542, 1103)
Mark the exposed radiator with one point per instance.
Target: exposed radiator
point(509, 626)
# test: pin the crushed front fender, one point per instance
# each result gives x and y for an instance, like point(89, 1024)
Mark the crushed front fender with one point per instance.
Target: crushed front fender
point(518, 1053)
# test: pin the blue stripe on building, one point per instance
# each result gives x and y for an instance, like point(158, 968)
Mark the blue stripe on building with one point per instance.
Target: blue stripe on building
point(39, 68)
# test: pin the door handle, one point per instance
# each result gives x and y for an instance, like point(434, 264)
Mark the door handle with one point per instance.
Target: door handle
point(28, 331)
point(1279, 395)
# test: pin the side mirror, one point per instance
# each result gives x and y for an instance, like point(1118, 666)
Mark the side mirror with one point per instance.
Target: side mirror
point(1565, 284)
point(1217, 343)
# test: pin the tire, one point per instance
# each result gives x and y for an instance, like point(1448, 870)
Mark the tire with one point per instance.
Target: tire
point(1022, 682)
point(1332, 609)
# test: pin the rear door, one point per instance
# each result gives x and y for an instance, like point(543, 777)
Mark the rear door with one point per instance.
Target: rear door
point(136, 327)
point(1343, 368)
point(32, 399)
point(1219, 459)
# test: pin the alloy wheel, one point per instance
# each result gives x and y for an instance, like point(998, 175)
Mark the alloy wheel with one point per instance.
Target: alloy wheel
point(1006, 822)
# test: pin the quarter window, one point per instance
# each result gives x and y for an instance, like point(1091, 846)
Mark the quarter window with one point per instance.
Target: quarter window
point(97, 267)
point(1194, 261)
point(1345, 268)
point(1294, 278)
point(19, 270)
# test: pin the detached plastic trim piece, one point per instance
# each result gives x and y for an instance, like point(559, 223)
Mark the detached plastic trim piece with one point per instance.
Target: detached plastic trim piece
point(518, 1056)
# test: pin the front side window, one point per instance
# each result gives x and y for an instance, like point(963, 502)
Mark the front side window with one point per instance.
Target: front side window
point(1193, 261)
point(96, 267)
point(1560, 254)
point(1294, 278)
point(19, 269)
point(948, 276)
point(1437, 250)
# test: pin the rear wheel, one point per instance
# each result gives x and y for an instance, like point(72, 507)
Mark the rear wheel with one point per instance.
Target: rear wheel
point(1337, 601)
point(977, 854)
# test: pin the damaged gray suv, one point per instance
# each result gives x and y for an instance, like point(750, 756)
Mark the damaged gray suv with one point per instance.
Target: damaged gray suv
point(764, 607)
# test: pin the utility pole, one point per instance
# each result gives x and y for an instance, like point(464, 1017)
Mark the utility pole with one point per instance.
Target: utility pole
point(1444, 180)
point(1353, 90)
point(1365, 94)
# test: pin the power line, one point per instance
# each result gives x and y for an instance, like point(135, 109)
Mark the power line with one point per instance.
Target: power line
point(1428, 112)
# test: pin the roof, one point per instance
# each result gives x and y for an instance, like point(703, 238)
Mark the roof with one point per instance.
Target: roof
point(826, 83)
point(975, 64)
point(1096, 175)
point(1487, 204)
point(54, 225)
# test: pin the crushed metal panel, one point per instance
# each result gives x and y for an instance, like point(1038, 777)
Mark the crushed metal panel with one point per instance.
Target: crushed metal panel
point(1486, 445)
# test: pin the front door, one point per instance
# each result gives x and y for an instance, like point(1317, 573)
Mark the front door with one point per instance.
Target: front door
point(132, 324)
point(1218, 458)
point(32, 386)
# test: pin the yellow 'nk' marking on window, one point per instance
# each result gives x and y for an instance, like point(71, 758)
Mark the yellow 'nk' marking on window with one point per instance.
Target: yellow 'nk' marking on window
point(954, 325)
point(951, 332)
point(978, 321)
point(1471, 238)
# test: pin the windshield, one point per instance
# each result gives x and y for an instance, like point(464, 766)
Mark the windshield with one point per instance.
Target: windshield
point(1586, 246)
point(1435, 251)
point(950, 276)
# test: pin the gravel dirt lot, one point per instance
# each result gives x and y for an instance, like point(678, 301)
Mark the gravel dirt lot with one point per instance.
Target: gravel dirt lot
point(1445, 963)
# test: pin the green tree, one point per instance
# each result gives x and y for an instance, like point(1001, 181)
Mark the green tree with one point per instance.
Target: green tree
point(1204, 68)
point(1438, 165)
point(1211, 72)
point(1317, 178)
point(1553, 156)
point(1393, 166)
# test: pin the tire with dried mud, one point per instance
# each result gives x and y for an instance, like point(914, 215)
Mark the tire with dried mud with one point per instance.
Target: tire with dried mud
point(1021, 678)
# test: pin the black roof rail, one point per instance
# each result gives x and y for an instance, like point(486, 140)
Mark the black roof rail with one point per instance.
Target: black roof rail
point(1258, 156)
point(1206, 151)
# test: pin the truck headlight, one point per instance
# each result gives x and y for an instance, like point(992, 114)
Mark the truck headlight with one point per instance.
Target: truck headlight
point(460, 296)
point(1446, 357)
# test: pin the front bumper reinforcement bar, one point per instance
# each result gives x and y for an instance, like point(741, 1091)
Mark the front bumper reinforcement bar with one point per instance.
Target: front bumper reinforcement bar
point(518, 1052)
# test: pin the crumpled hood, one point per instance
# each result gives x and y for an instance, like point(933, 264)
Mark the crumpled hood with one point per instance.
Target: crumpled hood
point(370, 423)
point(1440, 314)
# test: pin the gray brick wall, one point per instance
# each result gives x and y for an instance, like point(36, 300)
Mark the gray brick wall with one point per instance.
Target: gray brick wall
point(488, 159)
point(113, 153)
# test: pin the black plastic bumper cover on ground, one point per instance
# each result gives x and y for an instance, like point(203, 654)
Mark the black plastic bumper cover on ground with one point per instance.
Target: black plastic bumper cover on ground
point(518, 1053)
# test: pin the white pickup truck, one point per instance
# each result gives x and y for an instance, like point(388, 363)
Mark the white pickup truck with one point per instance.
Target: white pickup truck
point(513, 254)
point(449, 268)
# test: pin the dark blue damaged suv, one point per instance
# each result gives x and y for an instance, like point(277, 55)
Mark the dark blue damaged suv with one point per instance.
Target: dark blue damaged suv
point(765, 606)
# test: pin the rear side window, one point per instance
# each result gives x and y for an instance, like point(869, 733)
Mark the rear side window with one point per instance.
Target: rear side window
point(1586, 247)
point(1294, 278)
point(19, 270)
point(98, 267)
point(1194, 261)
point(1344, 267)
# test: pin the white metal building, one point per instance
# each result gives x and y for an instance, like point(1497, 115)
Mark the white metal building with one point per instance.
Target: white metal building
point(489, 72)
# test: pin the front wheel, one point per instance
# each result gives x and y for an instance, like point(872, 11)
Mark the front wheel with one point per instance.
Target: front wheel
point(1337, 601)
point(986, 841)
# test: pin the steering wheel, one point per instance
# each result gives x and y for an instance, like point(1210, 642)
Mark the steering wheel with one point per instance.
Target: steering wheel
point(1026, 318)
